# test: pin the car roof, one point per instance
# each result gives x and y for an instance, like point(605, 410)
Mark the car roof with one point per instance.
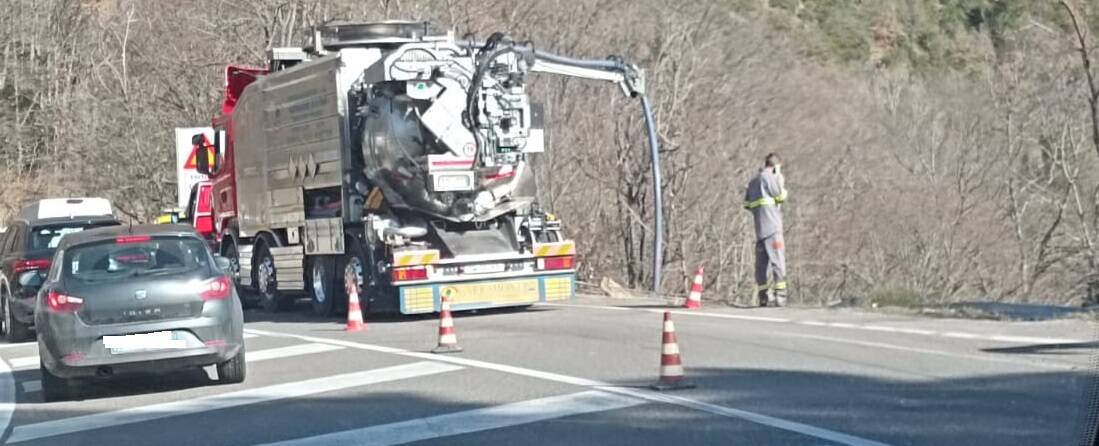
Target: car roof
point(112, 232)
point(66, 208)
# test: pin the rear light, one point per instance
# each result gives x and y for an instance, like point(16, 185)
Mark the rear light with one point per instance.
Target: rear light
point(216, 289)
point(73, 357)
point(409, 273)
point(204, 225)
point(215, 343)
point(19, 266)
point(551, 263)
point(63, 303)
point(132, 239)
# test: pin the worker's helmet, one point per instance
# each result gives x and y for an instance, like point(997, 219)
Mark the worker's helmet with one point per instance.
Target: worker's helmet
point(772, 160)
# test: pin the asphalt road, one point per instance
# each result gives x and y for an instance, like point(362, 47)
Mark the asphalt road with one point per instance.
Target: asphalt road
point(578, 374)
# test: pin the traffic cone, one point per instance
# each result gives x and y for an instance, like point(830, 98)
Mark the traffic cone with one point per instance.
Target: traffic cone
point(671, 367)
point(354, 311)
point(448, 339)
point(694, 299)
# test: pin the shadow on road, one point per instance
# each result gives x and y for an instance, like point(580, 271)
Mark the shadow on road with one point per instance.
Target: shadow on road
point(1046, 349)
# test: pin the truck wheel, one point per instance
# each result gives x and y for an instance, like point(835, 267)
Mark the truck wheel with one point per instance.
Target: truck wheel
point(14, 331)
point(271, 299)
point(54, 388)
point(229, 251)
point(354, 272)
point(233, 370)
point(323, 283)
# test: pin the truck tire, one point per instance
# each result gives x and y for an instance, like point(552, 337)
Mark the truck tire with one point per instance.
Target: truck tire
point(323, 285)
point(54, 388)
point(14, 331)
point(355, 268)
point(229, 250)
point(263, 271)
point(234, 370)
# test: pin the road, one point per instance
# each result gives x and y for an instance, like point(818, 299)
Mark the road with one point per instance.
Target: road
point(578, 374)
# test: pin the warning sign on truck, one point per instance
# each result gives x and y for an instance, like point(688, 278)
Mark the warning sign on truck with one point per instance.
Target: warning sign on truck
point(186, 153)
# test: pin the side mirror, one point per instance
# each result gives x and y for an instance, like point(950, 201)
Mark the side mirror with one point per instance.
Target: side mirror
point(206, 154)
point(31, 279)
point(223, 263)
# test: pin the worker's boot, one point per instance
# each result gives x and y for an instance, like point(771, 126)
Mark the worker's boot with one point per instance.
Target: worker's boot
point(764, 296)
point(779, 295)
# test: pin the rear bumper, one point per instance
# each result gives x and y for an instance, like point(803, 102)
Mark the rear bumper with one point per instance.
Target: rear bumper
point(482, 294)
point(70, 348)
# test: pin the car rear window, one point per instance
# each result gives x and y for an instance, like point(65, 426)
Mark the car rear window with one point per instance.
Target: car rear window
point(137, 256)
point(48, 237)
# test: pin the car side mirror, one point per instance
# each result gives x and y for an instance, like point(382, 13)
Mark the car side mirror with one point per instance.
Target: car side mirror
point(31, 279)
point(223, 263)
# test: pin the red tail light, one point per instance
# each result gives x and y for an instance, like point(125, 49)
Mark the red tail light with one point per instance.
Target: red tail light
point(132, 239)
point(549, 263)
point(62, 303)
point(19, 266)
point(409, 273)
point(204, 224)
point(216, 289)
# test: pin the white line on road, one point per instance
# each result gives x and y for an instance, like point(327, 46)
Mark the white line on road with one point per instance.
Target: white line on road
point(261, 355)
point(915, 331)
point(26, 362)
point(21, 344)
point(779, 423)
point(250, 336)
point(469, 421)
point(225, 401)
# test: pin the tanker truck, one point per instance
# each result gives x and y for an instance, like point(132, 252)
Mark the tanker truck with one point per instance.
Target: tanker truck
point(395, 159)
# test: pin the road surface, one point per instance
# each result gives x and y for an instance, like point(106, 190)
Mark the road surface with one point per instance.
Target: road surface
point(578, 374)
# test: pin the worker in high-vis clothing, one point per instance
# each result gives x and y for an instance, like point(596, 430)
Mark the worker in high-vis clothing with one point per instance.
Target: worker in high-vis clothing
point(764, 197)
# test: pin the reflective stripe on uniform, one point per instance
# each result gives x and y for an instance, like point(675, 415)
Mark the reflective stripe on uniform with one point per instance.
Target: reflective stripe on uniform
point(765, 201)
point(780, 285)
point(763, 287)
point(781, 197)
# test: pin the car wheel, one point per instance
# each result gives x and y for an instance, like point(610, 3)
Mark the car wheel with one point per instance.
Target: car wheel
point(54, 388)
point(323, 284)
point(14, 331)
point(233, 370)
point(271, 299)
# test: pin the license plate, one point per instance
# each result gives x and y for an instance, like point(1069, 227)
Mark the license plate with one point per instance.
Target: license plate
point(161, 340)
point(507, 292)
point(484, 268)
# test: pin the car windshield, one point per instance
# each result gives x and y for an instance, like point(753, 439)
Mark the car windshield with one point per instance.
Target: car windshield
point(48, 237)
point(136, 256)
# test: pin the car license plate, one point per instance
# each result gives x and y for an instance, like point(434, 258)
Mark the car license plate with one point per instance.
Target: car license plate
point(484, 268)
point(161, 340)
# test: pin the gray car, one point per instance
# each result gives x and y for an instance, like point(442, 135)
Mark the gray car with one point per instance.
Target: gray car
point(135, 299)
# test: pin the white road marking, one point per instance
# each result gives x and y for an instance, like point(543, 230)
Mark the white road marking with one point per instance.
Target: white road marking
point(26, 362)
point(250, 336)
point(1051, 365)
point(293, 350)
point(31, 386)
point(804, 429)
point(21, 344)
point(224, 401)
point(7, 396)
point(469, 421)
point(915, 331)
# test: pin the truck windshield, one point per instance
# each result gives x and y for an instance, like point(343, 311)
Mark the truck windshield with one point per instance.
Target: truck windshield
point(136, 256)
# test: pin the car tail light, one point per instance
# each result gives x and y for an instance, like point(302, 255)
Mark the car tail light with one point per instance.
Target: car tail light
point(409, 273)
point(19, 266)
point(63, 303)
point(132, 239)
point(550, 263)
point(216, 289)
point(215, 343)
point(204, 224)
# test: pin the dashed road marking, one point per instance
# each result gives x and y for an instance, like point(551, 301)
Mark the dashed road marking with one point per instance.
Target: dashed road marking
point(476, 420)
point(226, 400)
point(31, 386)
point(26, 362)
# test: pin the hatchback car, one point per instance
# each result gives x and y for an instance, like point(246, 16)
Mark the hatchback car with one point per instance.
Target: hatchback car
point(135, 299)
point(28, 244)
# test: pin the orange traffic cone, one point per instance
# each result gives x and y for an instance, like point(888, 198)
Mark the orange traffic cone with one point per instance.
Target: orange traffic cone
point(694, 299)
point(448, 339)
point(671, 367)
point(354, 311)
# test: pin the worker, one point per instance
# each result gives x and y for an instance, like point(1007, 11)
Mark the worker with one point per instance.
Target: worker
point(764, 197)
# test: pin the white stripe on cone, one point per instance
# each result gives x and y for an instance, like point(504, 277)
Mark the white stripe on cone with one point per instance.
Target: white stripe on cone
point(671, 371)
point(446, 322)
point(448, 339)
point(671, 349)
point(669, 326)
